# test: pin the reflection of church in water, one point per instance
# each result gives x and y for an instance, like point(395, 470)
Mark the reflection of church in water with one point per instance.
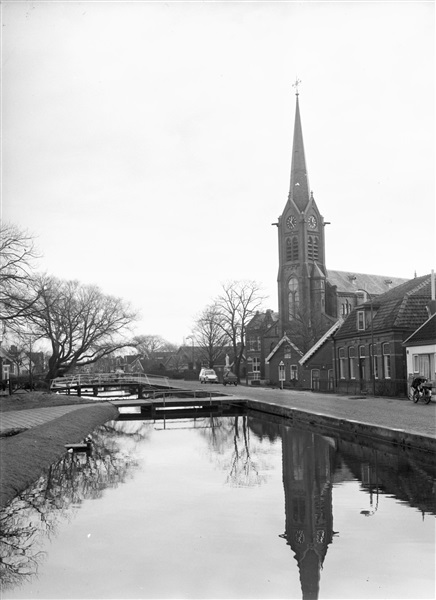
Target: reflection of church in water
point(308, 468)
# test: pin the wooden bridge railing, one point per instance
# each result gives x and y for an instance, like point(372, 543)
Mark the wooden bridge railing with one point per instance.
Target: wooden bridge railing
point(108, 379)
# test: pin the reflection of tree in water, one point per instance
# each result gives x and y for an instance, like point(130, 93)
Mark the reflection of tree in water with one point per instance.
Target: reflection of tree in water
point(231, 446)
point(36, 513)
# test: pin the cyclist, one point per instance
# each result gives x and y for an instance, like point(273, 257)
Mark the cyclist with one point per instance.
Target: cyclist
point(417, 385)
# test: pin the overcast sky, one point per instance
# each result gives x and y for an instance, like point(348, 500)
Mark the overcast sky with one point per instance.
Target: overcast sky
point(147, 145)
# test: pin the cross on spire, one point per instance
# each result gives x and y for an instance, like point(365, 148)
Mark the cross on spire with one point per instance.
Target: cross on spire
point(296, 84)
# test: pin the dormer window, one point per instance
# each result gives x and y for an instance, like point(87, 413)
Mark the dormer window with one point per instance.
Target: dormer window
point(360, 320)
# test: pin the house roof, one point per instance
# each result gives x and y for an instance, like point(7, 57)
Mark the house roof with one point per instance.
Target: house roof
point(284, 340)
point(348, 282)
point(322, 340)
point(402, 308)
point(425, 334)
point(261, 319)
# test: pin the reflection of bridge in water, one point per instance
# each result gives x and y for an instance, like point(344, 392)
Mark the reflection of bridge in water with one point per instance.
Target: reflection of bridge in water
point(95, 383)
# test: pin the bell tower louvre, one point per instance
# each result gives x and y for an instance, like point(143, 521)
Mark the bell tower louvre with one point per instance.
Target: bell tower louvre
point(302, 271)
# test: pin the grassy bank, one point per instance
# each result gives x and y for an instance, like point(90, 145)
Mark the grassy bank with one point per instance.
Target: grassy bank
point(26, 455)
point(23, 400)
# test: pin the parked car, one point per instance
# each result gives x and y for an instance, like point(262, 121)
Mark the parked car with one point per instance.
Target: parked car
point(208, 376)
point(230, 378)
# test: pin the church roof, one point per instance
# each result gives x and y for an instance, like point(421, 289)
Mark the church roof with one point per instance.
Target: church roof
point(299, 189)
point(262, 319)
point(349, 282)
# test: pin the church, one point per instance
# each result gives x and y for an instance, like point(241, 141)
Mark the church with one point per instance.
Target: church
point(311, 298)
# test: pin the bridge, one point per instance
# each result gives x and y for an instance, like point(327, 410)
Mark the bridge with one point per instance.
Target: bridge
point(94, 383)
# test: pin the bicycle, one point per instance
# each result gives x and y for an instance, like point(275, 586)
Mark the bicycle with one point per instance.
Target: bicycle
point(422, 391)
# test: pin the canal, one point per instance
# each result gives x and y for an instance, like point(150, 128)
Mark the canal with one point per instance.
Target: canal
point(242, 506)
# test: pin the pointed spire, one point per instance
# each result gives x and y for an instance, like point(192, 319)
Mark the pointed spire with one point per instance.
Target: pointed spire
point(299, 190)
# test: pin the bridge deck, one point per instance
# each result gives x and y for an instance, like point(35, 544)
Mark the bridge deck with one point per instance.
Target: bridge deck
point(109, 380)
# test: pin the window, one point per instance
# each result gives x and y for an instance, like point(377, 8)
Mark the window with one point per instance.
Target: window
point(256, 367)
point(292, 248)
point(361, 320)
point(342, 363)
point(294, 297)
point(374, 369)
point(416, 363)
point(288, 249)
point(345, 308)
point(352, 361)
point(425, 368)
point(313, 248)
point(330, 379)
point(294, 372)
point(386, 361)
point(362, 362)
point(315, 379)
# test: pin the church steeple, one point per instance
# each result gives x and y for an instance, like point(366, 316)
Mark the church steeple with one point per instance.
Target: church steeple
point(302, 271)
point(299, 190)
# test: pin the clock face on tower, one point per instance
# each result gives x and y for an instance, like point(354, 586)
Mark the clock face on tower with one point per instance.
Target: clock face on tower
point(312, 222)
point(291, 222)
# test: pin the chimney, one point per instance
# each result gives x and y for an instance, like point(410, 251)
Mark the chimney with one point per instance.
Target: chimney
point(431, 307)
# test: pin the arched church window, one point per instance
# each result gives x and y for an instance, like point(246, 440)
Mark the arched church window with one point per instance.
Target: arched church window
point(294, 297)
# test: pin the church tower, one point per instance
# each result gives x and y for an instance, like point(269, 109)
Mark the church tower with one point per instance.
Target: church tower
point(302, 271)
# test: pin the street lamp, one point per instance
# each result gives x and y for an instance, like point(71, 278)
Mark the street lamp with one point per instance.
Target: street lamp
point(372, 356)
point(25, 334)
point(191, 337)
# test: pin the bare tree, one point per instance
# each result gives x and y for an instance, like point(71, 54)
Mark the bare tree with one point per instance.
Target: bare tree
point(18, 355)
point(17, 257)
point(209, 334)
point(305, 330)
point(81, 323)
point(236, 306)
point(149, 345)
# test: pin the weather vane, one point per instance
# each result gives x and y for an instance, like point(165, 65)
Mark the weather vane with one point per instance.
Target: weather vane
point(296, 84)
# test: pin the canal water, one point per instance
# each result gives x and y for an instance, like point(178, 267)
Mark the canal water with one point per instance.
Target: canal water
point(224, 507)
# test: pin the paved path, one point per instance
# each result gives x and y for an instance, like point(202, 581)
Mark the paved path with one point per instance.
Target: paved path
point(25, 419)
point(391, 413)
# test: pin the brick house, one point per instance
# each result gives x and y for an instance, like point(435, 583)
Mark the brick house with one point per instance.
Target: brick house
point(421, 350)
point(368, 350)
point(317, 364)
point(282, 363)
point(261, 336)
